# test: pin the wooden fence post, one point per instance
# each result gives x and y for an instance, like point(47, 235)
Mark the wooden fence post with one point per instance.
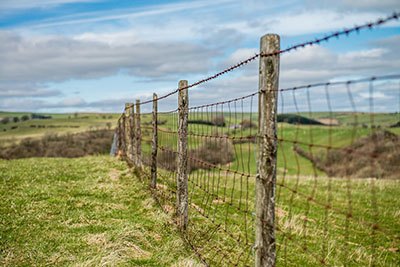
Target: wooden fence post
point(154, 145)
point(129, 131)
point(118, 131)
point(138, 133)
point(122, 136)
point(182, 169)
point(265, 244)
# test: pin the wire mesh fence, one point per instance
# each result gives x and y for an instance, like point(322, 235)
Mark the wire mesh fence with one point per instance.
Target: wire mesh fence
point(335, 174)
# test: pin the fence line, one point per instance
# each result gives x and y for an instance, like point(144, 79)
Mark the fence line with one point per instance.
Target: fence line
point(206, 164)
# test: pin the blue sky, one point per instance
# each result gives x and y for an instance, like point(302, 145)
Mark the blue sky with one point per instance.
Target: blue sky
point(95, 55)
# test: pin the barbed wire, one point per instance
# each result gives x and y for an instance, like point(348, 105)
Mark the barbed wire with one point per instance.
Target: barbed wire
point(337, 34)
point(348, 82)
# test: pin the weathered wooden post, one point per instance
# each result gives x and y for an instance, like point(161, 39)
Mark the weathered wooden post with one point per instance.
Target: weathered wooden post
point(138, 133)
point(154, 145)
point(265, 243)
point(182, 169)
point(122, 136)
point(129, 131)
point(118, 131)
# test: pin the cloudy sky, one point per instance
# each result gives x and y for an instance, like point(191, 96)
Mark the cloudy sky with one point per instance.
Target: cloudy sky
point(95, 55)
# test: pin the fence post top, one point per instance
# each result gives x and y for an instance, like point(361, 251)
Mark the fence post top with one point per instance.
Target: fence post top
point(270, 36)
point(183, 83)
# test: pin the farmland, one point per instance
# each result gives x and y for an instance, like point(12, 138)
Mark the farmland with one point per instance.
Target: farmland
point(59, 123)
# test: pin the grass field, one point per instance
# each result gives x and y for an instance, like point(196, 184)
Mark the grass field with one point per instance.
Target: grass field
point(221, 211)
point(59, 123)
point(92, 211)
point(82, 212)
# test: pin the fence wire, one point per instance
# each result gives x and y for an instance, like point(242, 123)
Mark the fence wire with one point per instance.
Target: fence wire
point(336, 170)
point(334, 203)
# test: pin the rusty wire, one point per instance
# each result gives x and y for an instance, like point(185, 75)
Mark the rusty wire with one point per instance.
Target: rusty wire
point(219, 191)
point(337, 34)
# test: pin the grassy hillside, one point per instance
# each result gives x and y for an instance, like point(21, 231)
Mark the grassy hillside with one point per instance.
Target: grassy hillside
point(82, 212)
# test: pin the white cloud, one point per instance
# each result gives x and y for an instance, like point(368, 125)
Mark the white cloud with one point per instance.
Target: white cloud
point(13, 90)
point(375, 95)
point(62, 58)
point(240, 54)
point(73, 101)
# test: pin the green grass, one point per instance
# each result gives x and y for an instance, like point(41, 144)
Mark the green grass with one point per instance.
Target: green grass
point(76, 203)
point(82, 212)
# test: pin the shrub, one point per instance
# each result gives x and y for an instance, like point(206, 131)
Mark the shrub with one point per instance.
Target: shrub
point(212, 152)
point(296, 119)
point(247, 124)
point(40, 117)
point(218, 121)
point(24, 118)
point(5, 120)
point(167, 160)
point(69, 145)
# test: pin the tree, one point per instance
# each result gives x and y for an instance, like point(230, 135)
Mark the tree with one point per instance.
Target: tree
point(15, 119)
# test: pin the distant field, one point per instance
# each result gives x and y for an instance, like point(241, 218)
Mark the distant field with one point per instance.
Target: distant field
point(59, 123)
point(361, 118)
point(71, 123)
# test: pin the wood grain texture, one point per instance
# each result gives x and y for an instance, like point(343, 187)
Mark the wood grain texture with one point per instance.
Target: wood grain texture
point(265, 245)
point(182, 170)
point(138, 133)
point(129, 131)
point(154, 144)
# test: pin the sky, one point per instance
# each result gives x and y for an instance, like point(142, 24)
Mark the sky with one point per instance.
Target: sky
point(96, 55)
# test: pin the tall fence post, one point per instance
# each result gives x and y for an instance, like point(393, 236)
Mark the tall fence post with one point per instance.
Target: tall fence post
point(154, 144)
point(138, 134)
point(265, 244)
point(182, 167)
point(128, 126)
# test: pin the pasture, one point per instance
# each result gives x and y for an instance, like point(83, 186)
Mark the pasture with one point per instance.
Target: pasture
point(94, 211)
